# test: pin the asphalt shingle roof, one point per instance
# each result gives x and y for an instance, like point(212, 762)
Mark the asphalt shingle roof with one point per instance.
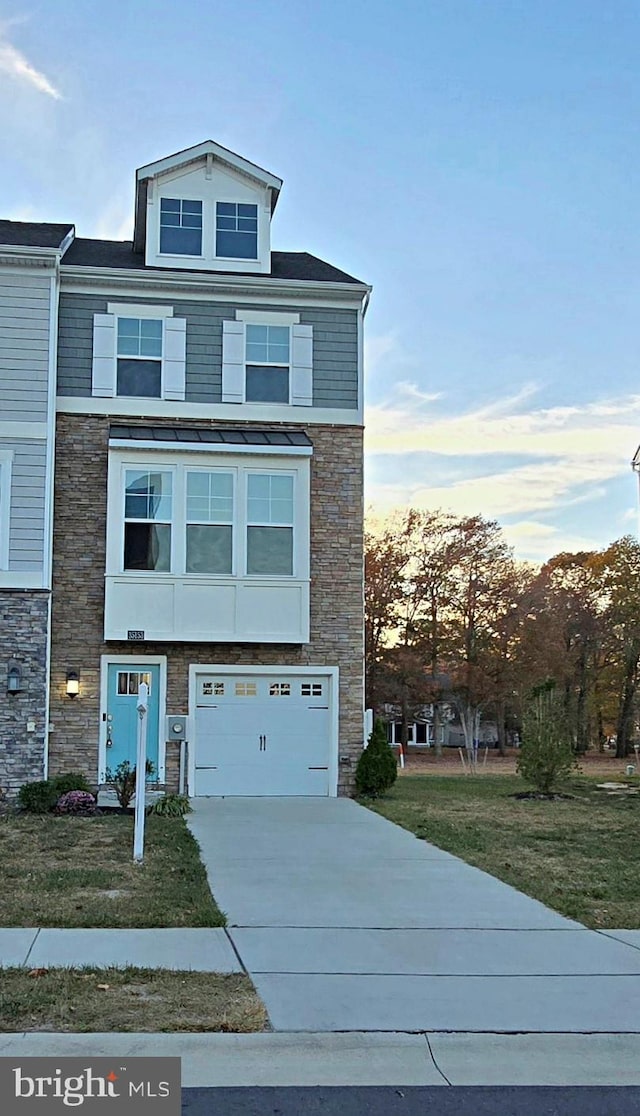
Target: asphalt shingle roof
point(242, 436)
point(33, 234)
point(284, 265)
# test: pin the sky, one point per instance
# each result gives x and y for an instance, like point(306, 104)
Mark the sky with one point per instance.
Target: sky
point(476, 161)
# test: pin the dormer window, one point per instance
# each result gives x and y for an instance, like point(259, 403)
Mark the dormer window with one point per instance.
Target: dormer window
point(180, 227)
point(237, 230)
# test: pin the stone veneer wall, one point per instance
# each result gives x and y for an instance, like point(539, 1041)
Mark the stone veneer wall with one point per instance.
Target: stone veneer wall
point(78, 593)
point(24, 620)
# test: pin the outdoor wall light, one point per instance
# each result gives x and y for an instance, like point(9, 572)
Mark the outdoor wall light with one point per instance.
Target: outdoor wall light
point(14, 678)
point(73, 684)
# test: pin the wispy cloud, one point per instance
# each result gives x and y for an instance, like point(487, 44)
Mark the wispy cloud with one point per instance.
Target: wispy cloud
point(537, 460)
point(14, 63)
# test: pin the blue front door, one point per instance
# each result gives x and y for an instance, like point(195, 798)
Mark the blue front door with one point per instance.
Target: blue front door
point(122, 714)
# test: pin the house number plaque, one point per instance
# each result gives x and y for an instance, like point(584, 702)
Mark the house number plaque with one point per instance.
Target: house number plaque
point(134, 634)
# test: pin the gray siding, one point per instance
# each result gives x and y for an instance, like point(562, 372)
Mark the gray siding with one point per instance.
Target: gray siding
point(26, 526)
point(335, 347)
point(24, 345)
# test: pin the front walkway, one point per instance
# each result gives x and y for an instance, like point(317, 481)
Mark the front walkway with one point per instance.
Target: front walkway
point(346, 922)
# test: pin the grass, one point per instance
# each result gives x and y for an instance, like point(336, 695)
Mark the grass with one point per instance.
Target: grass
point(127, 1000)
point(64, 871)
point(580, 856)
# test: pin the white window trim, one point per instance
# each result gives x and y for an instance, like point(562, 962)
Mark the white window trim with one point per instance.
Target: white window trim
point(262, 471)
point(6, 460)
point(268, 364)
point(179, 464)
point(139, 310)
point(105, 353)
point(236, 201)
point(267, 317)
point(179, 196)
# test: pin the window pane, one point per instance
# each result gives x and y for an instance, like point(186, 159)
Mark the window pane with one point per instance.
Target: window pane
point(150, 347)
point(257, 353)
point(281, 487)
point(237, 245)
point(258, 511)
point(179, 241)
point(257, 334)
point(267, 384)
point(226, 209)
point(193, 208)
point(210, 497)
point(259, 484)
point(148, 495)
point(147, 546)
point(141, 378)
point(247, 210)
point(151, 328)
point(169, 205)
point(270, 550)
point(208, 549)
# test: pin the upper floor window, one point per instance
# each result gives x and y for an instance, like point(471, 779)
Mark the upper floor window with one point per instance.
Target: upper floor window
point(269, 523)
point(180, 227)
point(237, 230)
point(147, 520)
point(209, 522)
point(139, 350)
point(267, 361)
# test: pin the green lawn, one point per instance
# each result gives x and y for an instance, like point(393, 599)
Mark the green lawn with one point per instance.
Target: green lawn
point(64, 871)
point(580, 856)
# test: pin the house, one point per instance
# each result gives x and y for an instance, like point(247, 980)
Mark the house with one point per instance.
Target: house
point(30, 256)
point(208, 494)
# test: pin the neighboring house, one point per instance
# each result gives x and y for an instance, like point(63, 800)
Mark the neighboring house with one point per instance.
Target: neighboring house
point(208, 494)
point(420, 727)
point(30, 257)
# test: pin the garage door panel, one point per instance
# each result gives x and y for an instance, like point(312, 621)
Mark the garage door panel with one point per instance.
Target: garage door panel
point(262, 735)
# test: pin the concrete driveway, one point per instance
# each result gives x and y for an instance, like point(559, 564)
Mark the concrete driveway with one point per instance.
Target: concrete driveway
point(348, 923)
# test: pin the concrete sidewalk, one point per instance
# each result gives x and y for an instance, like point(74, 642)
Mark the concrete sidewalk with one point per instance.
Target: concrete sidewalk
point(362, 1059)
point(202, 950)
point(346, 922)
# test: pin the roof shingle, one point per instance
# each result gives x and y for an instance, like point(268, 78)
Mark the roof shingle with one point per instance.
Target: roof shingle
point(33, 234)
point(299, 266)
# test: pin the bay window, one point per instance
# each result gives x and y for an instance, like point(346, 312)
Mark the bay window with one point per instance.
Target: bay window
point(209, 522)
point(147, 520)
point(269, 524)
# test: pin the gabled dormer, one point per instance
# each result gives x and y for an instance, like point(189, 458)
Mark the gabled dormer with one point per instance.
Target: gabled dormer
point(207, 209)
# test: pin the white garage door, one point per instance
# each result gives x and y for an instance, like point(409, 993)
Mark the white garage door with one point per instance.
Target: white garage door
point(262, 735)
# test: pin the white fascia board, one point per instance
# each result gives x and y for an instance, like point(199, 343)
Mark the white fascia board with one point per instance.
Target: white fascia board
point(200, 151)
point(211, 447)
point(171, 283)
point(18, 256)
point(223, 412)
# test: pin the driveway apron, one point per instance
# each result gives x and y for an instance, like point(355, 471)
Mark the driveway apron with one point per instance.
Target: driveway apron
point(346, 922)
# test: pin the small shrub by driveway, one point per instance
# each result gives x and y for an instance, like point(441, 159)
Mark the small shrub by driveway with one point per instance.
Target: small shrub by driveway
point(579, 855)
point(128, 1000)
point(76, 871)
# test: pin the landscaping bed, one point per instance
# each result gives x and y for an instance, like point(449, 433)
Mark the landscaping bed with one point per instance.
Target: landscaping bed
point(579, 855)
point(94, 1000)
point(79, 872)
